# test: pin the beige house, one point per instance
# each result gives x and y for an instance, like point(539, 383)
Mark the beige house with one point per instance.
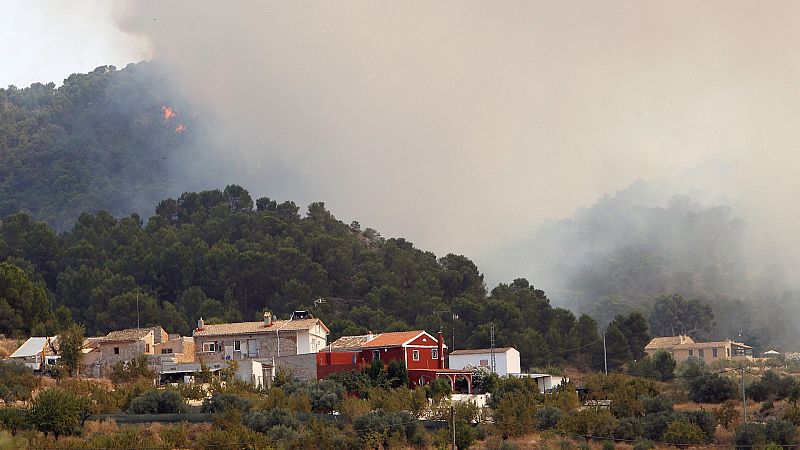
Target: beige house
point(683, 347)
point(300, 334)
point(125, 345)
point(177, 350)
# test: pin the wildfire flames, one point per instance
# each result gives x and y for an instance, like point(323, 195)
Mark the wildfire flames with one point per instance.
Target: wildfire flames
point(169, 113)
point(180, 129)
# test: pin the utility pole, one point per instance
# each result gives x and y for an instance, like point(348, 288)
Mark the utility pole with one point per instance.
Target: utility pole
point(137, 310)
point(744, 398)
point(453, 417)
point(455, 317)
point(491, 351)
point(605, 355)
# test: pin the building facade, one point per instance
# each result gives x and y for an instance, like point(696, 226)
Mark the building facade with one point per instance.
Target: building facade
point(506, 359)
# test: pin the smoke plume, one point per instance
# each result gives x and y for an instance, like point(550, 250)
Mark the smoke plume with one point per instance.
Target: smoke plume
point(463, 126)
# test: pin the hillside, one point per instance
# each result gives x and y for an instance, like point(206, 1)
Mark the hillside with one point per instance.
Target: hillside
point(102, 140)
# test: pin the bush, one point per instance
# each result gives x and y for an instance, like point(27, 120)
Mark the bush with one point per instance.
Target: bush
point(157, 402)
point(711, 388)
point(56, 411)
point(704, 420)
point(325, 395)
point(749, 435)
point(682, 434)
point(656, 404)
point(726, 414)
point(608, 445)
point(590, 423)
point(547, 417)
point(13, 419)
point(226, 402)
point(355, 383)
point(262, 421)
point(781, 432)
point(628, 428)
point(377, 427)
point(654, 425)
point(514, 415)
point(136, 368)
point(16, 381)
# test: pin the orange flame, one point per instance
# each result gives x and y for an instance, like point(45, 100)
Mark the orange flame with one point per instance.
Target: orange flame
point(180, 129)
point(169, 113)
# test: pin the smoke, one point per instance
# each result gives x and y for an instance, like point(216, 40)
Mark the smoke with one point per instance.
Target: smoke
point(465, 125)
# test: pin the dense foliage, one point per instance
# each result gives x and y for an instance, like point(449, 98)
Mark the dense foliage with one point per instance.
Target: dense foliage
point(222, 256)
point(100, 141)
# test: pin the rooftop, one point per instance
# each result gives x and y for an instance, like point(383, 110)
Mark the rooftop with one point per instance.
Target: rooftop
point(129, 335)
point(668, 342)
point(480, 351)
point(698, 345)
point(350, 342)
point(33, 346)
point(258, 327)
point(392, 339)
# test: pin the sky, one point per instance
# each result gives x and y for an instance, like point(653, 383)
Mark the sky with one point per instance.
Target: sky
point(464, 125)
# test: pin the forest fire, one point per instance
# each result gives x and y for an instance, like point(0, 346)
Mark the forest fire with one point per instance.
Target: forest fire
point(169, 113)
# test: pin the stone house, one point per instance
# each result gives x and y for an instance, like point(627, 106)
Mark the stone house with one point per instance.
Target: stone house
point(177, 350)
point(125, 345)
point(684, 347)
point(300, 334)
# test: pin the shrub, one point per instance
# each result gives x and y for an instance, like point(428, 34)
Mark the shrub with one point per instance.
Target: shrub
point(682, 434)
point(749, 435)
point(16, 381)
point(711, 388)
point(704, 420)
point(654, 425)
point(628, 428)
point(157, 402)
point(547, 417)
point(226, 402)
point(726, 414)
point(377, 427)
point(656, 404)
point(262, 421)
point(590, 423)
point(325, 395)
point(514, 415)
point(781, 432)
point(122, 372)
point(608, 445)
point(13, 419)
point(355, 383)
point(56, 411)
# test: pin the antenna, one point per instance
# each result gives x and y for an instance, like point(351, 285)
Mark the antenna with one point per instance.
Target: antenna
point(491, 351)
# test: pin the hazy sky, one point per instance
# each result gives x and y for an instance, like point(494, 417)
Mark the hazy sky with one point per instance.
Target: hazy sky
point(463, 125)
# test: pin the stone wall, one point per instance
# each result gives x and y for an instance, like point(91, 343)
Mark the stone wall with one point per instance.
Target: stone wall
point(266, 344)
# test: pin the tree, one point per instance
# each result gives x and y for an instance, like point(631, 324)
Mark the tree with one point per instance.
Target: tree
point(617, 349)
point(711, 388)
point(673, 315)
point(56, 411)
point(634, 327)
point(70, 348)
point(683, 434)
point(22, 303)
point(665, 364)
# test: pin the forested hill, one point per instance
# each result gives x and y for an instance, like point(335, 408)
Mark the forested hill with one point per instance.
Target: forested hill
point(100, 141)
point(223, 256)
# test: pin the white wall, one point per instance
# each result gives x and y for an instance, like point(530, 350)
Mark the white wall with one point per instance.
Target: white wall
point(505, 363)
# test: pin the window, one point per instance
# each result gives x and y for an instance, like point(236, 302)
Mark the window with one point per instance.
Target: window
point(166, 351)
point(691, 352)
point(147, 348)
point(355, 358)
point(485, 362)
point(376, 355)
point(209, 346)
point(435, 353)
point(728, 352)
point(714, 352)
point(700, 353)
point(237, 346)
point(116, 350)
point(415, 355)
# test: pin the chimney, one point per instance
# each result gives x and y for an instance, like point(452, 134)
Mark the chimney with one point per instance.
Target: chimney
point(370, 336)
point(440, 363)
point(267, 318)
point(200, 324)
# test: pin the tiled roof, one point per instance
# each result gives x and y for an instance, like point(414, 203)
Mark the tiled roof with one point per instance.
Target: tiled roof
point(478, 351)
point(668, 342)
point(129, 335)
point(258, 327)
point(393, 339)
point(698, 345)
point(350, 342)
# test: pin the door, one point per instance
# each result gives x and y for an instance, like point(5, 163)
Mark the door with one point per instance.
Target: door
point(252, 351)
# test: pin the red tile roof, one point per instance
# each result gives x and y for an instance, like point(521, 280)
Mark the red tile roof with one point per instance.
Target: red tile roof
point(394, 339)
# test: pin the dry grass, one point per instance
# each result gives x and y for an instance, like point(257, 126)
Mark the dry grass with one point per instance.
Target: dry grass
point(8, 346)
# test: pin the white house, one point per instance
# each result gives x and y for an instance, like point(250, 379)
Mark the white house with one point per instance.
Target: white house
point(506, 359)
point(545, 381)
point(251, 372)
point(34, 349)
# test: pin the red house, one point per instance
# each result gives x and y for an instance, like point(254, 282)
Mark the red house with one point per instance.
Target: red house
point(422, 354)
